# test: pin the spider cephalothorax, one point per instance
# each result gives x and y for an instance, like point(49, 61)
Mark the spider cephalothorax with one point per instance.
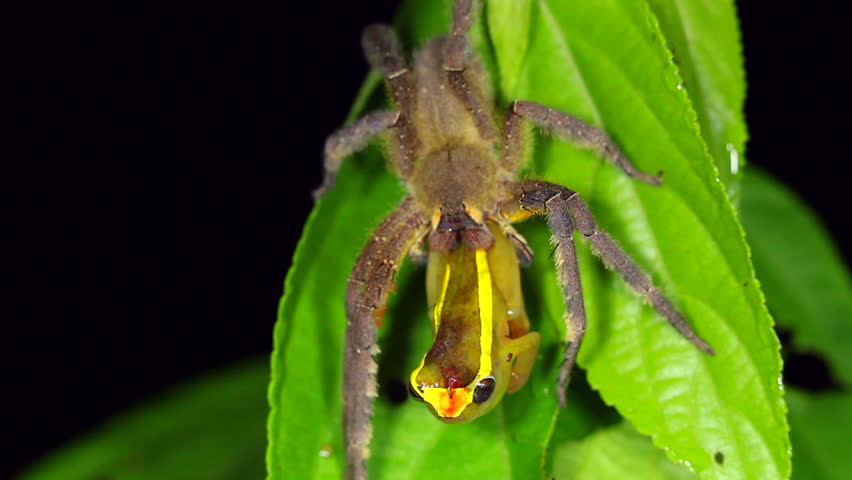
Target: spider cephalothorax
point(464, 194)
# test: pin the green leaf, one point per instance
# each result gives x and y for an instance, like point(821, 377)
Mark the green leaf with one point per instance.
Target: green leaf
point(705, 40)
point(615, 452)
point(509, 25)
point(210, 429)
point(820, 425)
point(605, 62)
point(806, 282)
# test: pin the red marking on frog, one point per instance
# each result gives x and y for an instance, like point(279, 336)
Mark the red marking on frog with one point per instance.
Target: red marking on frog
point(453, 378)
point(452, 404)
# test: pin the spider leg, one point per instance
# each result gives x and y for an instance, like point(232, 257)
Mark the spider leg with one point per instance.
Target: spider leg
point(366, 297)
point(457, 55)
point(349, 140)
point(565, 212)
point(615, 258)
point(568, 128)
point(456, 47)
point(383, 52)
point(549, 201)
point(513, 142)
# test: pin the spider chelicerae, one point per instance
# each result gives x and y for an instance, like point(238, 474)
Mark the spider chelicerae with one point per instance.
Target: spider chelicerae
point(460, 169)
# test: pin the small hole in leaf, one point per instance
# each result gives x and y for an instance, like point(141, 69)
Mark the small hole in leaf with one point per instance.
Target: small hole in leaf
point(720, 458)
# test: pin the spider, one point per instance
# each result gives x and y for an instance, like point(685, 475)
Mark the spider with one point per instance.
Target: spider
point(443, 142)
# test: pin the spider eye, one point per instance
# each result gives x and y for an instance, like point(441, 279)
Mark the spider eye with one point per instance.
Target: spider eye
point(484, 389)
point(414, 393)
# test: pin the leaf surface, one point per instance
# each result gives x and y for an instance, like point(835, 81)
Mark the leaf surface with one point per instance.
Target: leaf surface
point(509, 28)
point(210, 429)
point(605, 62)
point(704, 38)
point(615, 452)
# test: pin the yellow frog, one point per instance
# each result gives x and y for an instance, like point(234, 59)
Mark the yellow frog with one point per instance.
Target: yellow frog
point(483, 347)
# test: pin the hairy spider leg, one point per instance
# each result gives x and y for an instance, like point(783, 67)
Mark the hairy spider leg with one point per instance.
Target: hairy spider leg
point(366, 297)
point(565, 211)
point(349, 140)
point(567, 128)
point(384, 53)
point(457, 62)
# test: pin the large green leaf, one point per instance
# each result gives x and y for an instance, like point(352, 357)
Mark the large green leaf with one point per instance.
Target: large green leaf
point(820, 425)
point(704, 38)
point(807, 285)
point(211, 429)
point(605, 62)
point(616, 452)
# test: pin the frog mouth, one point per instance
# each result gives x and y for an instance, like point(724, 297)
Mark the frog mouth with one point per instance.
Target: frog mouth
point(448, 402)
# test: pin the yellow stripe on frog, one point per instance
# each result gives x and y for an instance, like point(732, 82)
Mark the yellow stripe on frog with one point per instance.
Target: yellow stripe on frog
point(485, 314)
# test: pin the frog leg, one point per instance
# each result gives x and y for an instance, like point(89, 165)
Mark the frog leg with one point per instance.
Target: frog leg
point(366, 297)
point(523, 351)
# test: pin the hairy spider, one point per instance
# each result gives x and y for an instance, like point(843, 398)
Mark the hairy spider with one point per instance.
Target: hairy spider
point(464, 194)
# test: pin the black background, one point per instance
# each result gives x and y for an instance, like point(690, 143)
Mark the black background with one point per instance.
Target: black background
point(167, 155)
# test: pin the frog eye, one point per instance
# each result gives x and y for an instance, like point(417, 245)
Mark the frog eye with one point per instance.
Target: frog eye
point(414, 393)
point(484, 389)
